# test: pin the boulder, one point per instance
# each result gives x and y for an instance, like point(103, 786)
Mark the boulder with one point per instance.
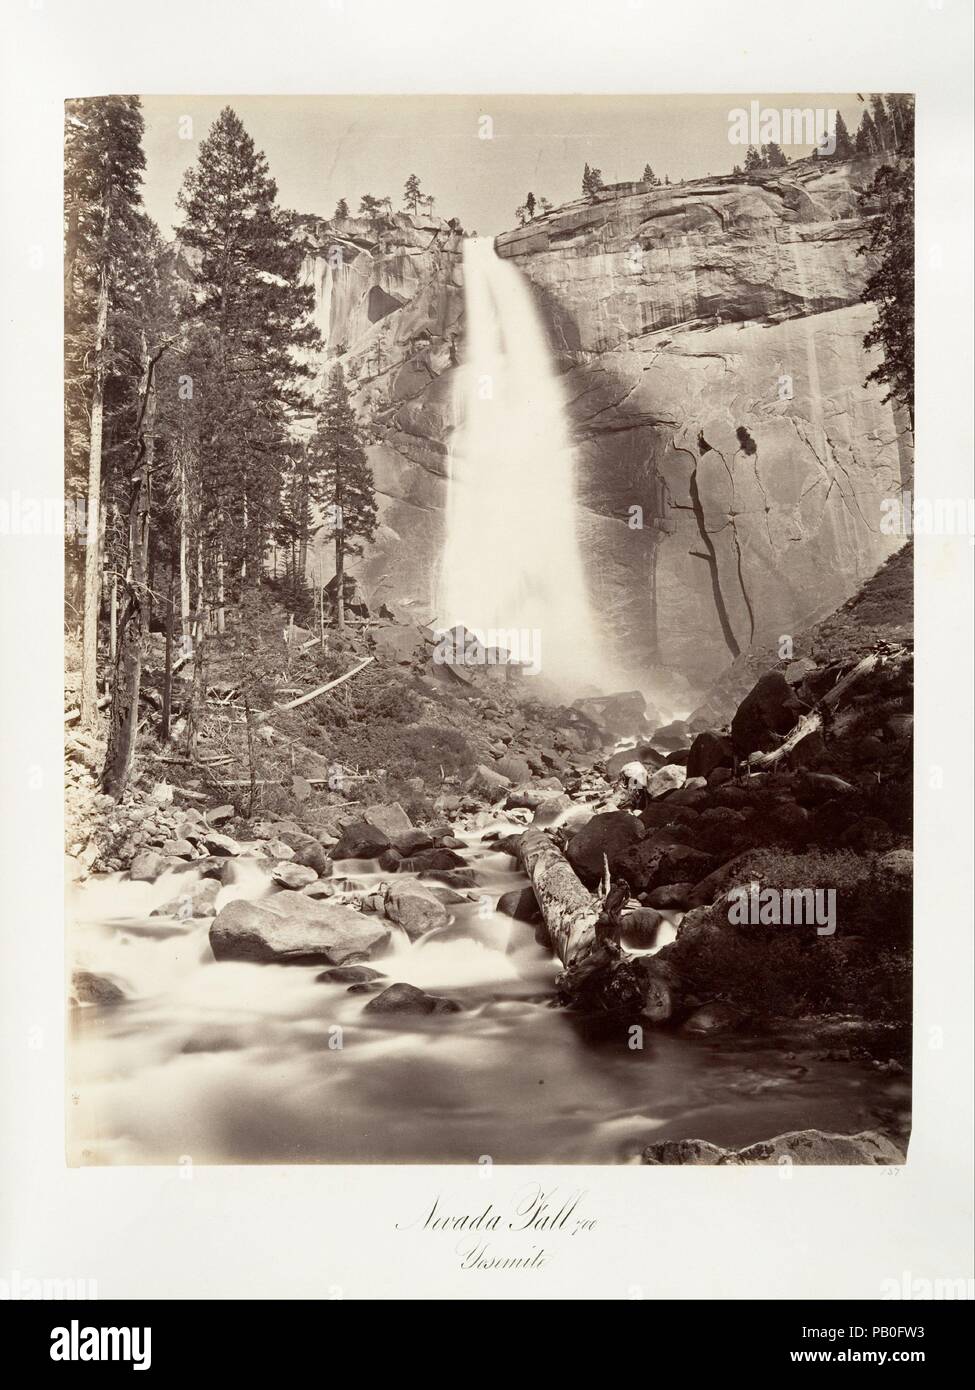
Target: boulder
point(803, 1146)
point(290, 928)
point(318, 889)
point(391, 819)
point(431, 859)
point(198, 900)
point(279, 850)
point(690, 793)
point(609, 834)
point(485, 782)
point(643, 753)
point(454, 878)
point(220, 844)
point(767, 713)
point(552, 811)
point(293, 875)
point(147, 866)
point(216, 814)
point(178, 849)
point(640, 928)
point(666, 779)
point(634, 775)
point(676, 734)
point(686, 1152)
point(673, 896)
point(348, 975)
point(521, 904)
point(89, 988)
point(409, 842)
point(414, 908)
point(815, 1147)
point(661, 858)
point(311, 855)
point(406, 999)
point(709, 751)
point(360, 840)
point(516, 769)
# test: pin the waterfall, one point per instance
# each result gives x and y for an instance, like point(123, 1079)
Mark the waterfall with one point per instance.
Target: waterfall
point(511, 560)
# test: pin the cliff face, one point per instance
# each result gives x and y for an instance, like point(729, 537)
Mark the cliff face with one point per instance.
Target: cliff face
point(731, 463)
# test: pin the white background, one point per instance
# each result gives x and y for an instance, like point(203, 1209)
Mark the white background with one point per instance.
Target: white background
point(321, 1231)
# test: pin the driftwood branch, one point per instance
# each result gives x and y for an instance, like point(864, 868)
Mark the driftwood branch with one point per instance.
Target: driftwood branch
point(329, 685)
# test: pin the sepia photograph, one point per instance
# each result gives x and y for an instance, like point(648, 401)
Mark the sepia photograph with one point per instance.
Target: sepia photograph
point(488, 629)
point(487, 516)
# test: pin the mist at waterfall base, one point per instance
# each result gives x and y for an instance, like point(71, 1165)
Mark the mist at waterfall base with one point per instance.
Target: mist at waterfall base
point(512, 568)
point(212, 1061)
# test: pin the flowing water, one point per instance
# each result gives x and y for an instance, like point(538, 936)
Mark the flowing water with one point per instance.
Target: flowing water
point(223, 1062)
point(511, 507)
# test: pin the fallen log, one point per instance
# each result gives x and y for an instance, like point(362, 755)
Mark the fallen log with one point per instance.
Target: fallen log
point(329, 685)
point(598, 974)
point(813, 721)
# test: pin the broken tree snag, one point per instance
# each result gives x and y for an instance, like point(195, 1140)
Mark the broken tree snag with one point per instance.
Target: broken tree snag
point(329, 685)
point(598, 974)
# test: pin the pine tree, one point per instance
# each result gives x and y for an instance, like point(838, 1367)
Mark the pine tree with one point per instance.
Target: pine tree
point(649, 176)
point(592, 181)
point(342, 480)
point(412, 194)
point(341, 210)
point(900, 108)
point(104, 227)
point(882, 124)
point(372, 207)
point(530, 205)
point(252, 319)
point(844, 145)
point(774, 156)
point(753, 160)
point(866, 136)
point(891, 285)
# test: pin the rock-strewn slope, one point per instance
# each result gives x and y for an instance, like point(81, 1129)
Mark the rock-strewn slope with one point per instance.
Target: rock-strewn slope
point(710, 338)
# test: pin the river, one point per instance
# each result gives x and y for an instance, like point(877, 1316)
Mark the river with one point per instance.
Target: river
point(224, 1062)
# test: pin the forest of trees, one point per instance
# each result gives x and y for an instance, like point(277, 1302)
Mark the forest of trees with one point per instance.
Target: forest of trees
point(187, 370)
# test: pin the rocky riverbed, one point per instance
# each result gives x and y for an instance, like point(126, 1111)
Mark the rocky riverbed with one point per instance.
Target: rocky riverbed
point(383, 983)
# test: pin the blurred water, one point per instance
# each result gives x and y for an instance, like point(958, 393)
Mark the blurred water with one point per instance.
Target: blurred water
point(238, 1063)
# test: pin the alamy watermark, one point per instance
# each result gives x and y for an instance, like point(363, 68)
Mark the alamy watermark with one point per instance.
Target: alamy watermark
point(44, 516)
point(505, 646)
point(783, 907)
point(28, 1288)
point(789, 125)
point(908, 515)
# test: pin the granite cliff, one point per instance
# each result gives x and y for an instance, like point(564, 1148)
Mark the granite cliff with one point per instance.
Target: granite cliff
point(731, 463)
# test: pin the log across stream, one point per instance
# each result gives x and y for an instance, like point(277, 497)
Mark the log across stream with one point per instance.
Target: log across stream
point(228, 1062)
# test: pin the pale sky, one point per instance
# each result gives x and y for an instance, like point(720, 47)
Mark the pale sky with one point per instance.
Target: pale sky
point(321, 149)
